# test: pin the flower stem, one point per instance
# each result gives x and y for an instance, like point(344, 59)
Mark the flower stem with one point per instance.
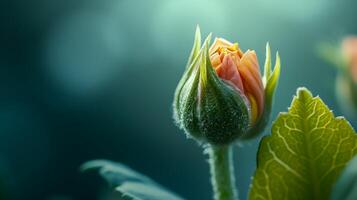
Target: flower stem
point(222, 172)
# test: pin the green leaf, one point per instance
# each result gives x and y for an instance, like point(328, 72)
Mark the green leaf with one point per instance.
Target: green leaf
point(305, 153)
point(346, 185)
point(129, 183)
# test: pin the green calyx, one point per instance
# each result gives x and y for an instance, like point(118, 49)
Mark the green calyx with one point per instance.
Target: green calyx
point(208, 109)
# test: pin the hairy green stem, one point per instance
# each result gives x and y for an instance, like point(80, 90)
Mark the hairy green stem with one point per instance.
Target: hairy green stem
point(222, 172)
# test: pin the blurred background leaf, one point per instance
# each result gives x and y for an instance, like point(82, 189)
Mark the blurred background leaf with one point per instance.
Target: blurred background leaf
point(346, 185)
point(129, 183)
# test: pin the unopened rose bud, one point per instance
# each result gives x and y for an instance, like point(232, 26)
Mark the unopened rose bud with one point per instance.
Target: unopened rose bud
point(222, 96)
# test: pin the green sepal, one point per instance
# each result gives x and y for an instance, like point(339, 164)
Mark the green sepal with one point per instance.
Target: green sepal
point(196, 47)
point(192, 61)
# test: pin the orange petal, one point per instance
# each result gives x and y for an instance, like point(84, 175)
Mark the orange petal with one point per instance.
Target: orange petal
point(250, 61)
point(219, 43)
point(235, 57)
point(229, 72)
point(219, 70)
point(252, 86)
point(215, 60)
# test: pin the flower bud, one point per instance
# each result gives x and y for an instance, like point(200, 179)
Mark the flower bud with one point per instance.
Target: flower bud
point(344, 57)
point(346, 81)
point(349, 51)
point(240, 71)
point(221, 96)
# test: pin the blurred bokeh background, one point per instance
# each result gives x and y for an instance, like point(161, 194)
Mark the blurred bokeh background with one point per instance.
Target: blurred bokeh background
point(88, 79)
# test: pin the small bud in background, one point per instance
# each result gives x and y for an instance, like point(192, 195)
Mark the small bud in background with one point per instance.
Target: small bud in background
point(344, 57)
point(346, 82)
point(349, 50)
point(222, 95)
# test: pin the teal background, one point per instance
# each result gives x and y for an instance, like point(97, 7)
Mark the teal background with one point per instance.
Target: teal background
point(82, 80)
